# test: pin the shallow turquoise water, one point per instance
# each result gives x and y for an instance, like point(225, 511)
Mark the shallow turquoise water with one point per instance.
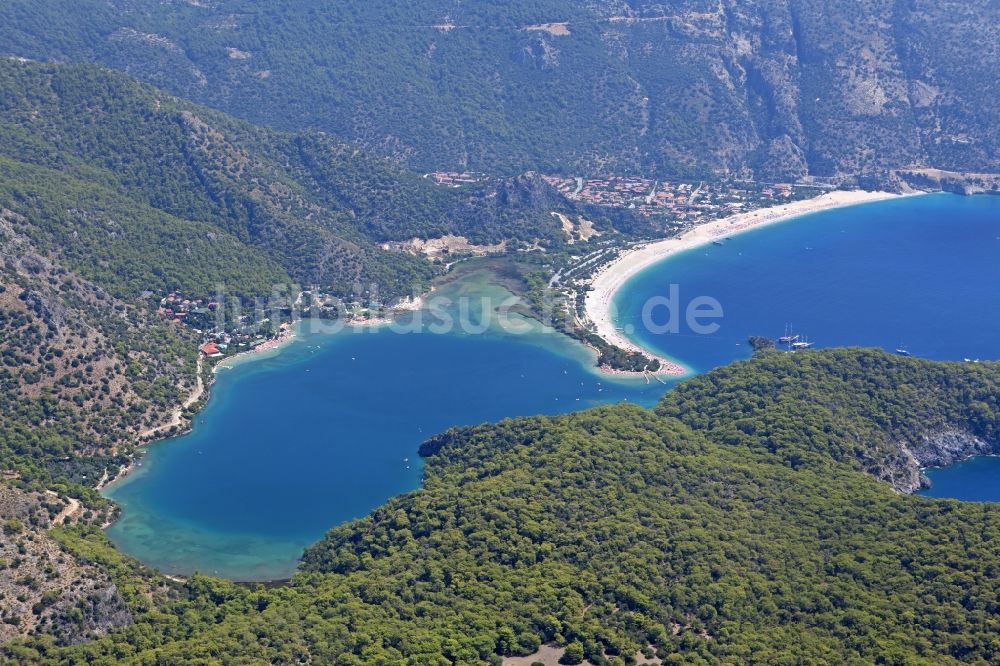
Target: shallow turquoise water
point(921, 274)
point(327, 430)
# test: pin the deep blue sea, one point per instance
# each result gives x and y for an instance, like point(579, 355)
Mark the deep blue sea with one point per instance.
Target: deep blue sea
point(973, 480)
point(329, 428)
point(920, 274)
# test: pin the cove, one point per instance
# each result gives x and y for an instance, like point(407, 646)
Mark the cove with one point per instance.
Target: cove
point(327, 429)
point(919, 273)
point(974, 480)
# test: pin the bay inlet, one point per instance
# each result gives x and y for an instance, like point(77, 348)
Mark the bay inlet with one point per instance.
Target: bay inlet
point(327, 429)
point(919, 275)
point(295, 442)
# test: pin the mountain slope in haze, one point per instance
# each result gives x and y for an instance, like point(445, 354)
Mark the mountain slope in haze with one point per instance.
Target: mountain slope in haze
point(736, 523)
point(770, 88)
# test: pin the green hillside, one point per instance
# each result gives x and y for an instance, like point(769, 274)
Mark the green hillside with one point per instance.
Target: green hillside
point(299, 205)
point(82, 372)
point(732, 525)
point(762, 513)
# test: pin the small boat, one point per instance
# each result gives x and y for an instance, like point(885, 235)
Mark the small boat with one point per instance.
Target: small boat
point(788, 338)
point(903, 352)
point(802, 344)
point(719, 241)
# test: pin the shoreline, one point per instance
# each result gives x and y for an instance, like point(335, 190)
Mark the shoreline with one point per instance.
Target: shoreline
point(285, 336)
point(177, 417)
point(162, 432)
point(668, 366)
point(158, 433)
point(613, 276)
point(289, 333)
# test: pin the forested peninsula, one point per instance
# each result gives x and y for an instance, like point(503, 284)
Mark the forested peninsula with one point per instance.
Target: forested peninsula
point(750, 517)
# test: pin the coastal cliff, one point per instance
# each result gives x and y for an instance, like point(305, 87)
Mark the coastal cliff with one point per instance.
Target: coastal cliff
point(932, 449)
point(842, 409)
point(955, 182)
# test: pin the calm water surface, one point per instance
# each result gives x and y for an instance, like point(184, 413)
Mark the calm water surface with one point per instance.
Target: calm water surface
point(329, 428)
point(920, 274)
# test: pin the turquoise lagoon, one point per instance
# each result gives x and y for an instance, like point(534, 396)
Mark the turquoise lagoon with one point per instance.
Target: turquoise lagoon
point(328, 429)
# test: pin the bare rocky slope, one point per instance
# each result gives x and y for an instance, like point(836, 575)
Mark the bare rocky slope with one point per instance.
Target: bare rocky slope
point(44, 590)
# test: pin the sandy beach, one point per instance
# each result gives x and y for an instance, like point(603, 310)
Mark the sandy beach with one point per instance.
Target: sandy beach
point(286, 335)
point(611, 277)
